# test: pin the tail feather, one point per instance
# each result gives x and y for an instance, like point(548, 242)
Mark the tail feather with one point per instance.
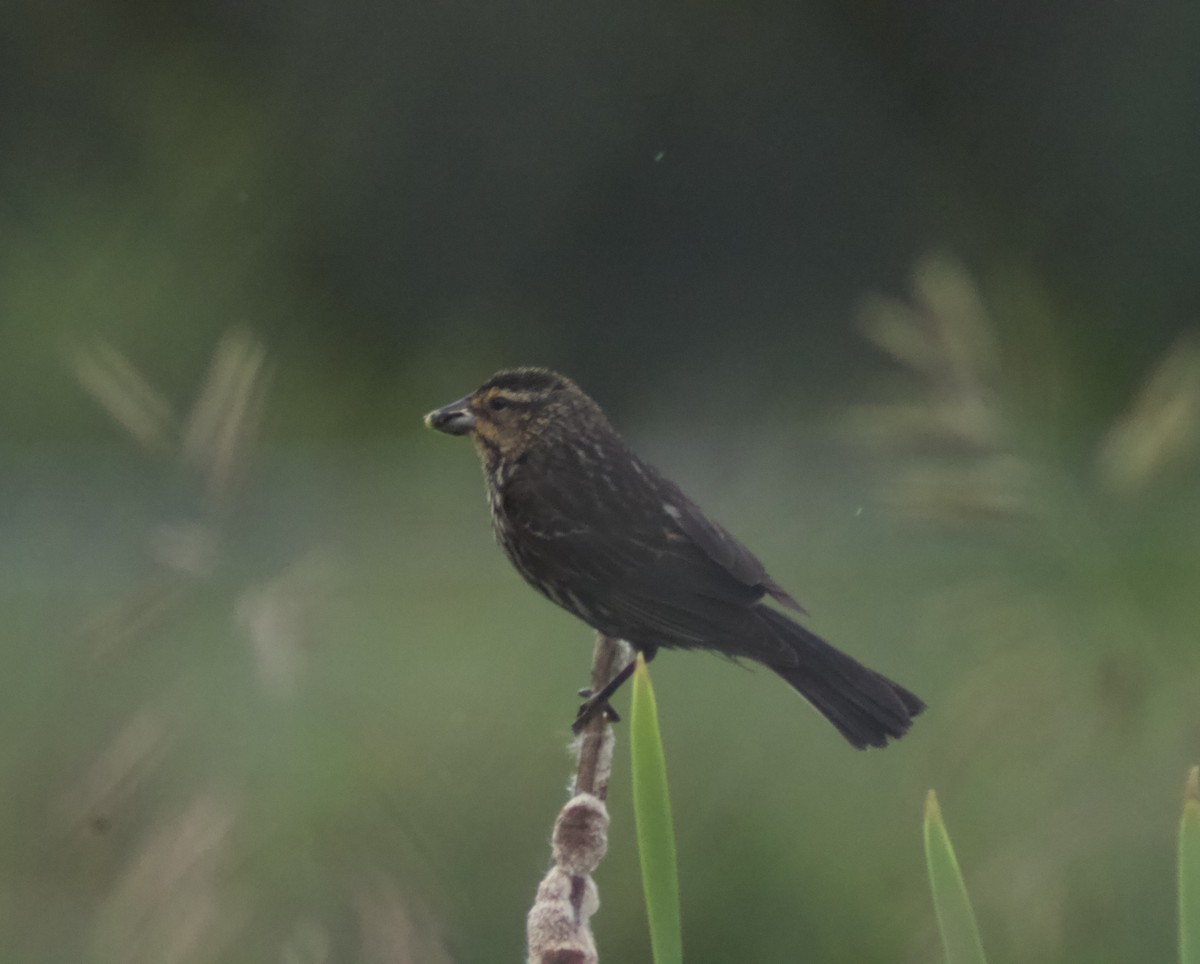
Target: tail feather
point(866, 707)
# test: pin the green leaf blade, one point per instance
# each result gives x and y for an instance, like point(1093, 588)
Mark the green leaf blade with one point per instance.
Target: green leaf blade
point(655, 831)
point(1189, 872)
point(956, 919)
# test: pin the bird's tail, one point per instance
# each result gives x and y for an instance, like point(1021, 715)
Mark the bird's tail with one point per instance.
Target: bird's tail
point(866, 707)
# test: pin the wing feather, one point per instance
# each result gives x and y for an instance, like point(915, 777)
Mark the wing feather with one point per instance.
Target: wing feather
point(724, 549)
point(645, 565)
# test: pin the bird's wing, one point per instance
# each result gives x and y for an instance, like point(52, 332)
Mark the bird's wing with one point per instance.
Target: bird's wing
point(722, 548)
point(644, 561)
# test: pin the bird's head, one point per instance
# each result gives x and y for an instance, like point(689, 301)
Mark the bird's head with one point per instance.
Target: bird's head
point(517, 409)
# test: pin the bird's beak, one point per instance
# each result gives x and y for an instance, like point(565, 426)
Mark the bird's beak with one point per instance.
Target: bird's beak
point(453, 419)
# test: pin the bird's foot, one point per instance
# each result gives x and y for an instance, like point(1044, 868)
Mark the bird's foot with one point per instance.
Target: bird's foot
point(597, 702)
point(590, 707)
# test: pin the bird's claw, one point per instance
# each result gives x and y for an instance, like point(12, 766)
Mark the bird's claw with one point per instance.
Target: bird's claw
point(589, 709)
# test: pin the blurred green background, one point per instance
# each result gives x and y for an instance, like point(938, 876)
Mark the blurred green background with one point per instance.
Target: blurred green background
point(901, 295)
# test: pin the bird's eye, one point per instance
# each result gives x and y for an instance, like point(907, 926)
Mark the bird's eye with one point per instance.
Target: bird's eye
point(498, 403)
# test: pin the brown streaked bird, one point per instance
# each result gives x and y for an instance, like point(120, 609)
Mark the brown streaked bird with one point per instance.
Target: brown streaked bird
point(601, 533)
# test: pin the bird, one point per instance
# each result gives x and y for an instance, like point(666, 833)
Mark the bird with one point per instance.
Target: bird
point(604, 535)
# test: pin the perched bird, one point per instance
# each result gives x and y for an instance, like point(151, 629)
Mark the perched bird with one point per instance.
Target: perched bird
point(604, 535)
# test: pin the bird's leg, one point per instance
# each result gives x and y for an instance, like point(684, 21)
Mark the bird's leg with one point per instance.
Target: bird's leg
point(598, 702)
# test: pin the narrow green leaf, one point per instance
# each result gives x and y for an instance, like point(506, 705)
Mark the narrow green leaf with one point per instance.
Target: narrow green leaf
point(956, 919)
point(1189, 872)
point(652, 813)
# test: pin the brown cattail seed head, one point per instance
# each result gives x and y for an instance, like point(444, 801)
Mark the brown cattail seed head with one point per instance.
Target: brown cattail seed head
point(581, 835)
point(557, 926)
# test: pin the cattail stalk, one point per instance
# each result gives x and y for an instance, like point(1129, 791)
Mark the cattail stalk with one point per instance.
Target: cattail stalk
point(558, 927)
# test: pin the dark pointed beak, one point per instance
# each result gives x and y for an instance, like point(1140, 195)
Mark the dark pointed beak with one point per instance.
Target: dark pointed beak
point(453, 419)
